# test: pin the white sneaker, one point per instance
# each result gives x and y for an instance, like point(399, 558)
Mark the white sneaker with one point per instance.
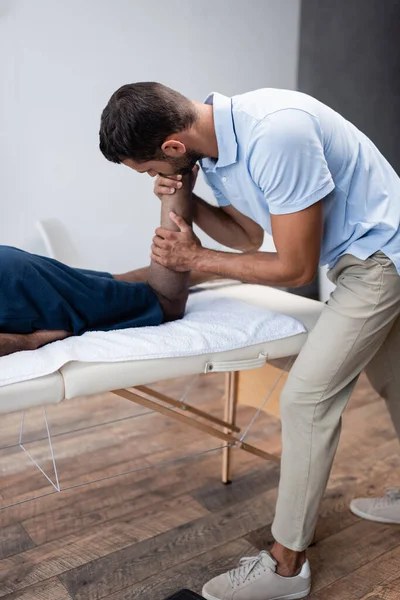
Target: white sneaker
point(256, 579)
point(382, 510)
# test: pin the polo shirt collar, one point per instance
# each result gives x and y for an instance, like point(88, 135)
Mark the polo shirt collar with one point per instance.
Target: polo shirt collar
point(225, 132)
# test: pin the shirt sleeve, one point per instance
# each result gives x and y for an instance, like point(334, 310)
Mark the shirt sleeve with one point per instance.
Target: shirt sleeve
point(219, 196)
point(286, 160)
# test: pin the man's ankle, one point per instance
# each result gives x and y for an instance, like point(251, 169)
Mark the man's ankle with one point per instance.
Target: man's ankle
point(289, 561)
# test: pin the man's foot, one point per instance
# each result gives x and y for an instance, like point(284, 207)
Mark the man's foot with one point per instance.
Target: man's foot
point(256, 579)
point(382, 510)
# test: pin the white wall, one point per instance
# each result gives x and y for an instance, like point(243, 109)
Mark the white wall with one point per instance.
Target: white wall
point(60, 62)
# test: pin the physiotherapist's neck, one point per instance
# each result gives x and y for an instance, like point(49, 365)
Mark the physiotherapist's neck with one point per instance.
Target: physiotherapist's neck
point(202, 134)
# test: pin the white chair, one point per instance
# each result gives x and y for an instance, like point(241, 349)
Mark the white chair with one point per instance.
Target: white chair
point(57, 242)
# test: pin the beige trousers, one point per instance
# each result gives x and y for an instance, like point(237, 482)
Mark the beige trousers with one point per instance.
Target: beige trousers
point(359, 328)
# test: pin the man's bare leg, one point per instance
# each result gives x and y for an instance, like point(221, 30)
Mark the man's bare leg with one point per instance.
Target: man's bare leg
point(14, 342)
point(180, 203)
point(171, 287)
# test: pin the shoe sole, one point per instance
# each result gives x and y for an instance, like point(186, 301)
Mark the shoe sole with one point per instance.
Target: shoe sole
point(287, 597)
point(359, 513)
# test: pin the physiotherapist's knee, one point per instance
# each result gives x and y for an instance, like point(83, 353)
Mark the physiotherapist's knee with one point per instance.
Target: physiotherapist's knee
point(292, 399)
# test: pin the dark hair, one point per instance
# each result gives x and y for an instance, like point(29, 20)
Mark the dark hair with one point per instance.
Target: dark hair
point(139, 117)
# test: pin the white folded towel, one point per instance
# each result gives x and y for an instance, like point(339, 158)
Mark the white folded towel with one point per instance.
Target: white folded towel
point(211, 324)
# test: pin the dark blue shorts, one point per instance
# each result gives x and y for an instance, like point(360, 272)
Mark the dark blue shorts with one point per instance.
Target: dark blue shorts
point(37, 292)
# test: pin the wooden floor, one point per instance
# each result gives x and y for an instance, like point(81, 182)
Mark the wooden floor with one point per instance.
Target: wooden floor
point(151, 531)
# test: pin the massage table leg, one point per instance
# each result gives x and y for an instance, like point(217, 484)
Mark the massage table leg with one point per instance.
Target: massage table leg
point(231, 387)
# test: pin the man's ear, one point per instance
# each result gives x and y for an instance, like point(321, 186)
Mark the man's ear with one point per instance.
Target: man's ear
point(173, 148)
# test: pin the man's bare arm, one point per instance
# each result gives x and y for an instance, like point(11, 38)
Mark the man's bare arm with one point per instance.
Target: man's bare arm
point(228, 226)
point(297, 238)
point(142, 275)
point(225, 225)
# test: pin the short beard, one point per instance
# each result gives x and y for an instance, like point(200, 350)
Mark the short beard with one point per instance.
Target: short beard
point(185, 164)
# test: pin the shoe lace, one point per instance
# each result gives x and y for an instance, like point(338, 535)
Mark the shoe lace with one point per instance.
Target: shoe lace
point(247, 566)
point(392, 495)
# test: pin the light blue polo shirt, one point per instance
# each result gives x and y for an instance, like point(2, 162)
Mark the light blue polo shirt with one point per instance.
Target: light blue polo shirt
point(281, 151)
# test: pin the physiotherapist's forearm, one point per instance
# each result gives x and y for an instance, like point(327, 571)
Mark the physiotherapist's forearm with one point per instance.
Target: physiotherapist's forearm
point(264, 268)
point(142, 276)
point(219, 226)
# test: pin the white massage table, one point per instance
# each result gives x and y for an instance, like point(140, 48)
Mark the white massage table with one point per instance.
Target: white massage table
point(130, 379)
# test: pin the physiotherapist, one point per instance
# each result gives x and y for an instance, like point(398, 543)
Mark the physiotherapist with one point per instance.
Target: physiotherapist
point(283, 162)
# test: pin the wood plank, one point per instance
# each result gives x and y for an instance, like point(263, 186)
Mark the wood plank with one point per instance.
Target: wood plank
point(71, 518)
point(62, 514)
point(28, 482)
point(66, 522)
point(350, 549)
point(90, 445)
point(215, 496)
point(149, 533)
point(382, 571)
point(51, 589)
point(137, 562)
point(261, 538)
point(89, 507)
point(191, 574)
point(76, 414)
point(49, 560)
point(94, 411)
point(13, 540)
point(94, 461)
point(384, 592)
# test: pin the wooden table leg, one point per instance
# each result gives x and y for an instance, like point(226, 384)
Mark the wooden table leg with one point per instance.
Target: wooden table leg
point(231, 380)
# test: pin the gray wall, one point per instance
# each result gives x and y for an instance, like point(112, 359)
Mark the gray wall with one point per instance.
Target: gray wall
point(350, 60)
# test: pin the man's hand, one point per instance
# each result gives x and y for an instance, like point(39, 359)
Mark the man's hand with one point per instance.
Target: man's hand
point(179, 250)
point(168, 185)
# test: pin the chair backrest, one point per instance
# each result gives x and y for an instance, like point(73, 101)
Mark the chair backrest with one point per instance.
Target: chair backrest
point(57, 242)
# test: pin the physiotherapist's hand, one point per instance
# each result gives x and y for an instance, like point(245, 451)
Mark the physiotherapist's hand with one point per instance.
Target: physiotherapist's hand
point(168, 185)
point(176, 250)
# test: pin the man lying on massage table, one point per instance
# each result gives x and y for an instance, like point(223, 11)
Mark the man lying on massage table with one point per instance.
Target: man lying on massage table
point(43, 300)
